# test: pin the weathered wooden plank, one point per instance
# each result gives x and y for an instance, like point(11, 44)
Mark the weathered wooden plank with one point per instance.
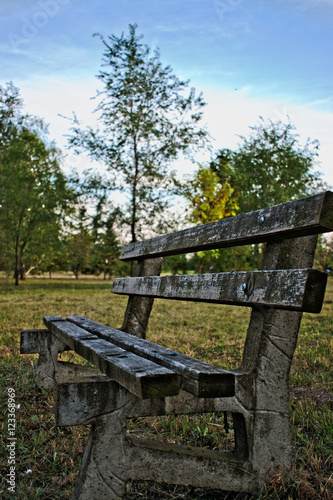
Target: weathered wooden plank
point(140, 376)
point(311, 215)
point(66, 332)
point(296, 289)
point(197, 377)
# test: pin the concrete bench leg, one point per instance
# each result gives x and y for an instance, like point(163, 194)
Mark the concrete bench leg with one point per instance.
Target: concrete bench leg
point(48, 347)
point(103, 472)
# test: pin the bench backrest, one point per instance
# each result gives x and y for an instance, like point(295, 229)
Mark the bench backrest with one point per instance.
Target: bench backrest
point(286, 280)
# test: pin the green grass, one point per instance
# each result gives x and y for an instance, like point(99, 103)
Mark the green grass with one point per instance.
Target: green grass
point(209, 332)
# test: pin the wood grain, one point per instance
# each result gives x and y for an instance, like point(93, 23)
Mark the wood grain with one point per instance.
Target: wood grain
point(140, 376)
point(296, 289)
point(311, 215)
point(197, 377)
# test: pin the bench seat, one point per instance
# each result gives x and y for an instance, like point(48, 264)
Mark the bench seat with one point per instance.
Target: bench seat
point(147, 369)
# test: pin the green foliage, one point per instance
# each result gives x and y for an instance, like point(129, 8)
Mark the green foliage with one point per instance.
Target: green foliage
point(244, 258)
point(79, 250)
point(324, 254)
point(147, 121)
point(272, 167)
point(106, 250)
point(10, 105)
point(175, 264)
point(269, 167)
point(33, 197)
point(210, 199)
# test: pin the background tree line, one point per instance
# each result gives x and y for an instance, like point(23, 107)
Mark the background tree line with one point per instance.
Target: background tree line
point(52, 222)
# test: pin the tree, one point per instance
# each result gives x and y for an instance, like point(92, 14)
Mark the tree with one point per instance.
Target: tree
point(175, 264)
point(33, 196)
point(79, 250)
point(79, 241)
point(147, 122)
point(47, 251)
point(106, 250)
point(272, 167)
point(210, 199)
point(10, 114)
point(324, 254)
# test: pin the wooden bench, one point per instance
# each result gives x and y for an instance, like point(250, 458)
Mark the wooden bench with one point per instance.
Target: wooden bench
point(134, 377)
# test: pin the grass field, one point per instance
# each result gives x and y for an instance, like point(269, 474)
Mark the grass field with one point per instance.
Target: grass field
point(48, 458)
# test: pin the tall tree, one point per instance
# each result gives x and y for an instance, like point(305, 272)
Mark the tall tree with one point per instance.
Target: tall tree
point(269, 167)
point(272, 167)
point(79, 241)
point(106, 250)
point(33, 195)
point(79, 248)
point(148, 118)
point(324, 254)
point(10, 114)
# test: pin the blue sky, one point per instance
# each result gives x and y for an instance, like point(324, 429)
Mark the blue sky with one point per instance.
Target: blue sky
point(250, 58)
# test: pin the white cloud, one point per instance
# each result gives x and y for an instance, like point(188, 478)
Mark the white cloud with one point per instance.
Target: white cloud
point(228, 114)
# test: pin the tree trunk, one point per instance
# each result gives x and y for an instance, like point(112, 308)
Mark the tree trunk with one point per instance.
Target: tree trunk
point(16, 277)
point(77, 272)
point(23, 274)
point(134, 202)
point(202, 261)
point(17, 265)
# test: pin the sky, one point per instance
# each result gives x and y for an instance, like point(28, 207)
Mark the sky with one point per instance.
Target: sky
point(250, 58)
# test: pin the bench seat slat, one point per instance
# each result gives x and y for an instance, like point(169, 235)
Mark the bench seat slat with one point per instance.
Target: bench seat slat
point(140, 376)
point(197, 377)
point(296, 289)
point(311, 215)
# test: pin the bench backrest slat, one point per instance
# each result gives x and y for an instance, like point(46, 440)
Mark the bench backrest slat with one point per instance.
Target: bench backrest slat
point(307, 216)
point(297, 289)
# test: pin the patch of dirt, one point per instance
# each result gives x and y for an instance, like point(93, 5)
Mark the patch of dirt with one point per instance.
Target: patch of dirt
point(318, 396)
